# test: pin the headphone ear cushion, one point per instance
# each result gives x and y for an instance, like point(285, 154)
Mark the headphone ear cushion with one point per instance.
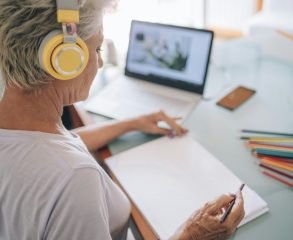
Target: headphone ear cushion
point(61, 60)
point(43, 55)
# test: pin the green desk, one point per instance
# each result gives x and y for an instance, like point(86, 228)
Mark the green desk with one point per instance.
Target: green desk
point(265, 64)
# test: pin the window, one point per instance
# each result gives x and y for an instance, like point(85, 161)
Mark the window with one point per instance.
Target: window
point(228, 14)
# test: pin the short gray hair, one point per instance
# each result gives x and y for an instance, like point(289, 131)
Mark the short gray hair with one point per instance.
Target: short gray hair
point(23, 26)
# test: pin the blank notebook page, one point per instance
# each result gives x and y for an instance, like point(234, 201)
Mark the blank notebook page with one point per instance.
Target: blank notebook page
point(168, 179)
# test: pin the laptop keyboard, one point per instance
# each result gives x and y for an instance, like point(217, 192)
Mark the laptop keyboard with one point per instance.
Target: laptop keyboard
point(123, 100)
point(150, 102)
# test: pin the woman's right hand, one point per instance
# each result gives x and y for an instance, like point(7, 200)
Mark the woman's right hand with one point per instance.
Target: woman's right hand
point(205, 224)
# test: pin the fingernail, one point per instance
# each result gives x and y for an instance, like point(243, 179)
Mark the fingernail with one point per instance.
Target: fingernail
point(222, 210)
point(170, 134)
point(232, 195)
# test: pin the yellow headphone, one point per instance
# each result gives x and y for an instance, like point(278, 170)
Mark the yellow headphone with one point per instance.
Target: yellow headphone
point(63, 54)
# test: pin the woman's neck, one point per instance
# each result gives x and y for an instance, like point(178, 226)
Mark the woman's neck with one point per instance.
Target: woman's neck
point(34, 111)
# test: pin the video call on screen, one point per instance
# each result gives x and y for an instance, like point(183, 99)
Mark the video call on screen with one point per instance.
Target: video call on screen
point(170, 52)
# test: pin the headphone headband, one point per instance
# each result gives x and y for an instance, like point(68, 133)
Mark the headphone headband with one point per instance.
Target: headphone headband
point(67, 11)
point(67, 4)
point(63, 54)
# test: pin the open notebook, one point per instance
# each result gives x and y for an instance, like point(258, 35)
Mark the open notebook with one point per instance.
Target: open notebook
point(168, 179)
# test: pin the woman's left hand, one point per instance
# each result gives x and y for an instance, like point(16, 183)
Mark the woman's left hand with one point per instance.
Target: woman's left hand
point(205, 223)
point(149, 124)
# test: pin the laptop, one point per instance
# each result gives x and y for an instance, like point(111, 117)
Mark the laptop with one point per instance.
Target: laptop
point(165, 69)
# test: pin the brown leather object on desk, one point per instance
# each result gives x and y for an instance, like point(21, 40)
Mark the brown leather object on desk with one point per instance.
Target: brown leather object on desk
point(79, 117)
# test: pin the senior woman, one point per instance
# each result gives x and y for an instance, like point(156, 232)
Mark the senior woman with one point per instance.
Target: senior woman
point(51, 187)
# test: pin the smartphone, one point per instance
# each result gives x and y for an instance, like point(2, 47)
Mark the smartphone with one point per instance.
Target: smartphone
point(236, 97)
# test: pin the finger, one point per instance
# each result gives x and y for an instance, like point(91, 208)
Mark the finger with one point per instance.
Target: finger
point(177, 118)
point(162, 131)
point(237, 213)
point(215, 207)
point(172, 123)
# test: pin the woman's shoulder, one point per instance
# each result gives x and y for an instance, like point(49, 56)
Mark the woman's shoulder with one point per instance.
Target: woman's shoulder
point(49, 176)
point(38, 151)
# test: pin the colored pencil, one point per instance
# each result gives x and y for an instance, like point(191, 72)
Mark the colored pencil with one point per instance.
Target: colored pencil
point(268, 146)
point(277, 153)
point(266, 132)
point(277, 164)
point(277, 178)
point(277, 171)
point(267, 139)
point(280, 144)
point(275, 159)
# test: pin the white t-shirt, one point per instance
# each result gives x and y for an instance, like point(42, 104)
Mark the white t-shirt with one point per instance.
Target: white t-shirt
point(52, 188)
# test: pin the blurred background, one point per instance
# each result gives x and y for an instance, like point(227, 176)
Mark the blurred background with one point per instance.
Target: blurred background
point(228, 18)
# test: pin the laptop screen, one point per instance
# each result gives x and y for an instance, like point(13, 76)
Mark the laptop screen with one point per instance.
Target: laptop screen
point(170, 55)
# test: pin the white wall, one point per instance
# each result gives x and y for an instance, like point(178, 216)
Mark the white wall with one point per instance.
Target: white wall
point(232, 14)
point(223, 13)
